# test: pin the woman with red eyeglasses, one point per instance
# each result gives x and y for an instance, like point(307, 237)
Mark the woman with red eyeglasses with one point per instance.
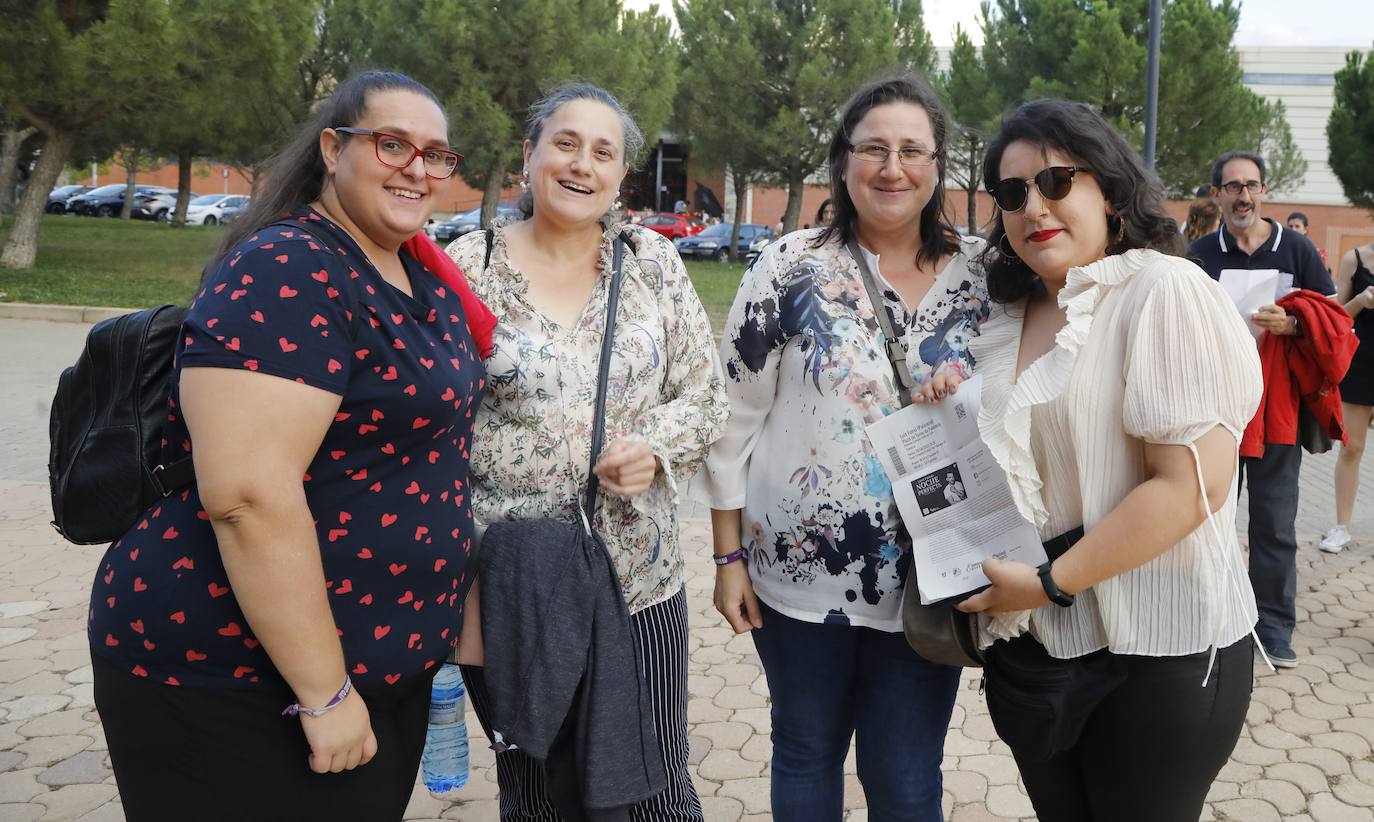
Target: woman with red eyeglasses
point(1117, 380)
point(263, 641)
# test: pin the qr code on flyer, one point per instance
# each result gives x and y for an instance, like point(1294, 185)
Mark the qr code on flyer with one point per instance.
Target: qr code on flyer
point(960, 412)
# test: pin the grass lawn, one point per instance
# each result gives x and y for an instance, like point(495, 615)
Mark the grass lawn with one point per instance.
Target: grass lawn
point(136, 264)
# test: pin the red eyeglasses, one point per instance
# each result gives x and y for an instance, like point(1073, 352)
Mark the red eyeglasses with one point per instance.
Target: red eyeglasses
point(398, 152)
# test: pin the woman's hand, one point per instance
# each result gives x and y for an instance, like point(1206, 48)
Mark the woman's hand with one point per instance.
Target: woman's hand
point(342, 739)
point(735, 597)
point(937, 388)
point(1366, 297)
point(1015, 587)
point(627, 468)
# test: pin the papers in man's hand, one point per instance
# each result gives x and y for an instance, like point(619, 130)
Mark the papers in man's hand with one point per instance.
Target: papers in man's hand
point(1252, 290)
point(952, 494)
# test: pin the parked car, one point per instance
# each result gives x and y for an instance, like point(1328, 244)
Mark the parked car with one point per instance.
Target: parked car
point(150, 202)
point(757, 246)
point(57, 200)
point(672, 226)
point(209, 209)
point(231, 212)
point(463, 222)
point(714, 242)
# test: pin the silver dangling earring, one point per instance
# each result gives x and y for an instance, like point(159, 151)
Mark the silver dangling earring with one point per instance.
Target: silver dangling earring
point(525, 180)
point(617, 205)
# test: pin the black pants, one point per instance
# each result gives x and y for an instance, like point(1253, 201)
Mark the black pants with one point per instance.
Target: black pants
point(228, 754)
point(1153, 747)
point(1272, 481)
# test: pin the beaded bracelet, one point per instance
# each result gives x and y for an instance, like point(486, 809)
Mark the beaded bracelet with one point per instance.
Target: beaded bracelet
point(297, 708)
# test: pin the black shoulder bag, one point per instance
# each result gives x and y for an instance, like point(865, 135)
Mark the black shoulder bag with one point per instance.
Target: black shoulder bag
point(939, 632)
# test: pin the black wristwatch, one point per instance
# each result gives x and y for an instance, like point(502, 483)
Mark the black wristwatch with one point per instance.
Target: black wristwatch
point(1052, 591)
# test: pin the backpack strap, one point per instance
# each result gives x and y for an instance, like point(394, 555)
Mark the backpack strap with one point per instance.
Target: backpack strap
point(491, 238)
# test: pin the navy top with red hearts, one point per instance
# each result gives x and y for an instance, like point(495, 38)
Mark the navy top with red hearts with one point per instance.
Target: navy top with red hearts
point(387, 488)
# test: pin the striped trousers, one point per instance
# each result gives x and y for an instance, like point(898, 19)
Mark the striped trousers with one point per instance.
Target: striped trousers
point(661, 631)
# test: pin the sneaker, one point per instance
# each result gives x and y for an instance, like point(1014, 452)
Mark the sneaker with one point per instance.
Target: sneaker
point(1336, 539)
point(1281, 657)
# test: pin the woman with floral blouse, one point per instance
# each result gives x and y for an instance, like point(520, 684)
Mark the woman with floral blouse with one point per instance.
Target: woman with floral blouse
point(546, 279)
point(795, 484)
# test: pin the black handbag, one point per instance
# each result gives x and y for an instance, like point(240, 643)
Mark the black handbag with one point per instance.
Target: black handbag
point(939, 632)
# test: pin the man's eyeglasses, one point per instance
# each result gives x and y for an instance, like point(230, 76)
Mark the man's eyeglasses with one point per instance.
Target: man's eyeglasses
point(1236, 186)
point(397, 152)
point(906, 155)
point(1054, 183)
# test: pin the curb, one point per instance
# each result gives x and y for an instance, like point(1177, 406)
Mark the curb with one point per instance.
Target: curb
point(60, 313)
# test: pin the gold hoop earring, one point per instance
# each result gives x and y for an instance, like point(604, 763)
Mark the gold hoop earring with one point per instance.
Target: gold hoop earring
point(1006, 252)
point(1120, 229)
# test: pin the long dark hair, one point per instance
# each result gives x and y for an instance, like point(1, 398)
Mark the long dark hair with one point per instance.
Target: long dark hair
point(938, 237)
point(1082, 134)
point(295, 175)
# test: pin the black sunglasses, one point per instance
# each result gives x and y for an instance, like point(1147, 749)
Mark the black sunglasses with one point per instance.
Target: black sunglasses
point(1054, 184)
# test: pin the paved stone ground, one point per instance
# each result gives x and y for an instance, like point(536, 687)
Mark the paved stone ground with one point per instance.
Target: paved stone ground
point(1305, 755)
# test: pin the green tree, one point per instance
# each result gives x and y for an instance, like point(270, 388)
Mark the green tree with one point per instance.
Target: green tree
point(489, 62)
point(1350, 130)
point(915, 49)
point(975, 107)
point(68, 65)
point(13, 134)
point(1095, 51)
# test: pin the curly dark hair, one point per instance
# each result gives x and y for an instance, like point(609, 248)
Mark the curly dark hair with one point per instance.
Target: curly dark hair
point(1083, 135)
point(938, 237)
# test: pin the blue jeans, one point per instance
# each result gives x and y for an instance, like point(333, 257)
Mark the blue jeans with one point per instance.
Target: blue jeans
point(832, 682)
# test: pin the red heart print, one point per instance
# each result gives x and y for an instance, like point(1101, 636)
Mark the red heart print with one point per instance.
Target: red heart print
point(149, 644)
point(137, 625)
point(390, 373)
point(210, 323)
point(281, 258)
point(109, 602)
point(439, 565)
point(388, 449)
point(420, 532)
point(365, 428)
point(109, 577)
point(336, 533)
point(185, 563)
point(320, 276)
point(413, 488)
point(344, 517)
point(361, 353)
point(286, 292)
point(409, 389)
point(448, 395)
point(139, 584)
point(241, 671)
point(139, 670)
point(396, 569)
point(398, 318)
point(360, 669)
point(427, 363)
point(392, 679)
point(406, 597)
point(360, 475)
point(344, 587)
point(179, 617)
point(417, 604)
point(216, 590)
point(334, 365)
point(388, 520)
point(332, 292)
point(110, 640)
point(286, 345)
point(257, 317)
point(193, 655)
point(171, 680)
point(420, 422)
point(398, 344)
point(381, 631)
point(366, 599)
point(377, 415)
point(233, 344)
point(250, 643)
point(424, 499)
point(251, 365)
point(366, 553)
point(236, 293)
point(246, 279)
point(317, 321)
point(337, 455)
point(232, 629)
point(411, 640)
point(133, 555)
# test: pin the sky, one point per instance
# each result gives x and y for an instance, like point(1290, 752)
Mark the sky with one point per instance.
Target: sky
point(1262, 22)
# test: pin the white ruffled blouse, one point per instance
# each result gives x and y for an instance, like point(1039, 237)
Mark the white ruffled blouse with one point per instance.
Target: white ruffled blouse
point(1153, 352)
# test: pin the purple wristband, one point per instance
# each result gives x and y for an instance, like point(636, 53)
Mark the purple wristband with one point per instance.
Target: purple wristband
point(733, 556)
point(297, 708)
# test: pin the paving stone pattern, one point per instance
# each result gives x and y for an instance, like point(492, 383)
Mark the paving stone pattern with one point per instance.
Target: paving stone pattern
point(1305, 755)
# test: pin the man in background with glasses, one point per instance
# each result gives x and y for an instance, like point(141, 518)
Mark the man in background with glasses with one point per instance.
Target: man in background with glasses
point(1245, 240)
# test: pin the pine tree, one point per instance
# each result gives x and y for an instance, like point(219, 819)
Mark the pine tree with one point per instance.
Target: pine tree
point(975, 107)
point(1350, 130)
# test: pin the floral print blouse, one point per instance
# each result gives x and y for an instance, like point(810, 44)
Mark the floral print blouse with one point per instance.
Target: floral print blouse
point(532, 440)
point(806, 373)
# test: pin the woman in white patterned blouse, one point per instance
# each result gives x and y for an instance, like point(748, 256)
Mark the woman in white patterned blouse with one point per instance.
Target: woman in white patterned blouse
point(546, 281)
point(795, 481)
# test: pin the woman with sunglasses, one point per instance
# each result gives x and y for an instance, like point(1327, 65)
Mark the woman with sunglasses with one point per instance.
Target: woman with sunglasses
point(1117, 380)
point(546, 275)
point(263, 642)
point(806, 531)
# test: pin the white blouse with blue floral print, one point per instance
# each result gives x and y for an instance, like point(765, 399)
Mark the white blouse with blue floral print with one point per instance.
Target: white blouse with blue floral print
point(806, 372)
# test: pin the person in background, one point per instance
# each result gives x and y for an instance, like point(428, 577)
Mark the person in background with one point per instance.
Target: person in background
point(546, 279)
point(1355, 291)
point(1297, 221)
point(806, 531)
point(1203, 219)
point(1136, 628)
point(1246, 240)
point(325, 368)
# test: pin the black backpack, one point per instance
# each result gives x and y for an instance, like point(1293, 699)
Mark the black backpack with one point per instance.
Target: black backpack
point(105, 465)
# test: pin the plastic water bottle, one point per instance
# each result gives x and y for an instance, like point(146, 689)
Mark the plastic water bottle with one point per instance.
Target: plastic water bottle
point(444, 765)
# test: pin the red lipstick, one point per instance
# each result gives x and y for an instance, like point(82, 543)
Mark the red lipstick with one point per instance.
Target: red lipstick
point(1042, 236)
